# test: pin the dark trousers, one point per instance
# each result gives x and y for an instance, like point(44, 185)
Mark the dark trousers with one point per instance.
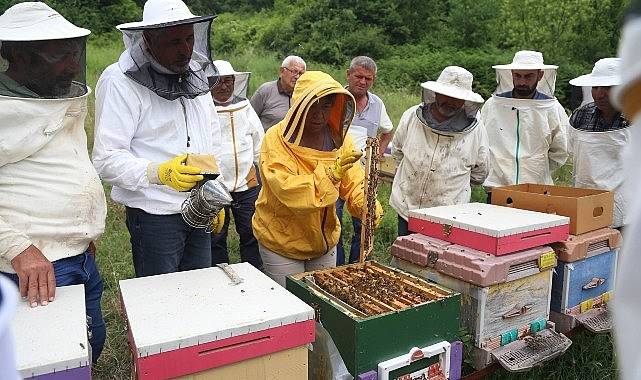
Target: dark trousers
point(355, 249)
point(165, 243)
point(243, 211)
point(402, 227)
point(77, 270)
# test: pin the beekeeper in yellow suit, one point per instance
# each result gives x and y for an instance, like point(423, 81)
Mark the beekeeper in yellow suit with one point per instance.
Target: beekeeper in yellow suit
point(306, 164)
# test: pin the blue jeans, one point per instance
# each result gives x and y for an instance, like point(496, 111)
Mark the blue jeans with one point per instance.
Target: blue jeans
point(402, 227)
point(355, 249)
point(77, 270)
point(243, 211)
point(166, 244)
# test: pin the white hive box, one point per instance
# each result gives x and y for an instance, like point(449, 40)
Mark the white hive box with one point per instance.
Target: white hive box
point(51, 341)
point(189, 322)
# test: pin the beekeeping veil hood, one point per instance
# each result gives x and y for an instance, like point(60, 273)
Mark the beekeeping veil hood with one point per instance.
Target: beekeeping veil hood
point(42, 54)
point(455, 82)
point(311, 87)
point(526, 60)
point(228, 83)
point(139, 63)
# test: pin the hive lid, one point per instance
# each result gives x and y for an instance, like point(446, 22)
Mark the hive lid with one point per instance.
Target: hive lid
point(491, 220)
point(52, 338)
point(183, 309)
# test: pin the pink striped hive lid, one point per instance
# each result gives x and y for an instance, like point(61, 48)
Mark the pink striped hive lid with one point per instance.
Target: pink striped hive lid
point(490, 220)
point(177, 310)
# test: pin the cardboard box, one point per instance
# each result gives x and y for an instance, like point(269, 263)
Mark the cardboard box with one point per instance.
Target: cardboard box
point(588, 209)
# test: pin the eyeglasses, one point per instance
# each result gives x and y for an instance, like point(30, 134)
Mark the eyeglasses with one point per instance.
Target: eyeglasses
point(294, 72)
point(226, 81)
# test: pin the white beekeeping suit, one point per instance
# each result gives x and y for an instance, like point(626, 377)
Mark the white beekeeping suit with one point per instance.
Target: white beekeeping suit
point(437, 165)
point(145, 114)
point(597, 161)
point(527, 136)
point(51, 196)
point(627, 303)
point(240, 130)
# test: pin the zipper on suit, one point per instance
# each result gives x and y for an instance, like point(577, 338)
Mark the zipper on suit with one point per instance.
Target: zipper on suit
point(323, 230)
point(518, 143)
point(182, 104)
point(233, 140)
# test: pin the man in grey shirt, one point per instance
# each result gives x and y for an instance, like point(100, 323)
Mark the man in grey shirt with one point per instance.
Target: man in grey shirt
point(272, 99)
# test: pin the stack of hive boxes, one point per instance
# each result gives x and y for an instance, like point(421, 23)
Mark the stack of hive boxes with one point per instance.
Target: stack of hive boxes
point(500, 261)
point(584, 277)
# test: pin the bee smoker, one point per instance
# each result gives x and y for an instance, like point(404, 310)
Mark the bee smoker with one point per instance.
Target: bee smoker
point(204, 203)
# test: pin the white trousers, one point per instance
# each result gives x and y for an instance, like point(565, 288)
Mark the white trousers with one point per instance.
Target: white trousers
point(278, 267)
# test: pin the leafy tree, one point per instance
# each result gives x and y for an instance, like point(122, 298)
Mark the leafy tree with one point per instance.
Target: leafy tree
point(97, 15)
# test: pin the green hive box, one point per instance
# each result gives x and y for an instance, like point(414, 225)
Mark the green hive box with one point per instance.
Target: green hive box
point(365, 341)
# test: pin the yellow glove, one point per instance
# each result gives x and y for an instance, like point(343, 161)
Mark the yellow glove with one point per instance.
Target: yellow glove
point(218, 222)
point(175, 174)
point(379, 214)
point(342, 164)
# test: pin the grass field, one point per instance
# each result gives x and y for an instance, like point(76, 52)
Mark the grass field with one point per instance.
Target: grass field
point(590, 357)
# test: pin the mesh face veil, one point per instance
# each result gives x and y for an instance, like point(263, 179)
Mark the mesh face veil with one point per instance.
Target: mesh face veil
point(171, 59)
point(228, 86)
point(51, 69)
point(42, 55)
point(546, 85)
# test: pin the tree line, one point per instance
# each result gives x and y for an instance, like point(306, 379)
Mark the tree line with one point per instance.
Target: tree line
point(411, 40)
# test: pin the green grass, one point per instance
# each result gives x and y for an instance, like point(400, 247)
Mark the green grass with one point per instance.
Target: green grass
point(590, 357)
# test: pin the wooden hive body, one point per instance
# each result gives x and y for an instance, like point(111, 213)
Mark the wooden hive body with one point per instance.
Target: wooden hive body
point(187, 322)
point(365, 341)
point(504, 299)
point(489, 312)
point(581, 285)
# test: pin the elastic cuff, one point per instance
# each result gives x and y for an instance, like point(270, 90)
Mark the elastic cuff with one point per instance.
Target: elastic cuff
point(152, 173)
point(16, 250)
point(331, 176)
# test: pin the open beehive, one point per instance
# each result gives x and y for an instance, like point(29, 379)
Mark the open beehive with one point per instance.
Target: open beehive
point(371, 289)
point(375, 313)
